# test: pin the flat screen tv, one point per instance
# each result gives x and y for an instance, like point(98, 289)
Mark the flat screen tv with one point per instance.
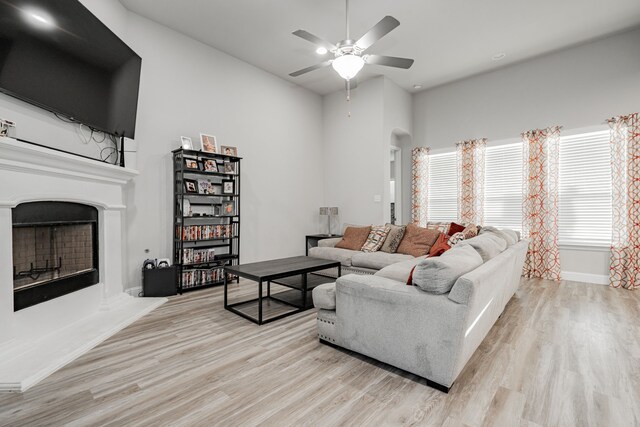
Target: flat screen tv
point(59, 56)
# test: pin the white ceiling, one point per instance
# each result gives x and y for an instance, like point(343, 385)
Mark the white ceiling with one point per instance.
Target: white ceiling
point(449, 39)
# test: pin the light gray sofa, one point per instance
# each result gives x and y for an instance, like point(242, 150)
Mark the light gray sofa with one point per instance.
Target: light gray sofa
point(432, 336)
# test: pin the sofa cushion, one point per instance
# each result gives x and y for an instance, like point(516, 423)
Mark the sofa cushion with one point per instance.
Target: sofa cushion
point(333, 254)
point(376, 238)
point(376, 260)
point(324, 296)
point(417, 240)
point(437, 275)
point(488, 245)
point(394, 237)
point(497, 232)
point(329, 243)
point(399, 271)
point(470, 231)
point(354, 238)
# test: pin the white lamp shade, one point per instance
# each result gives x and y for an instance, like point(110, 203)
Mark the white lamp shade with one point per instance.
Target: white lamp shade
point(348, 65)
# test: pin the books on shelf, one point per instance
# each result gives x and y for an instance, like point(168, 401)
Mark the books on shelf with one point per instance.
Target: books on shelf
point(193, 278)
point(206, 232)
point(195, 256)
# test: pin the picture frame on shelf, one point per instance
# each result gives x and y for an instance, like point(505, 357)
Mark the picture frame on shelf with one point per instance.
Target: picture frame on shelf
point(228, 187)
point(205, 186)
point(230, 168)
point(186, 143)
point(229, 151)
point(191, 164)
point(186, 208)
point(190, 186)
point(208, 143)
point(228, 208)
point(209, 165)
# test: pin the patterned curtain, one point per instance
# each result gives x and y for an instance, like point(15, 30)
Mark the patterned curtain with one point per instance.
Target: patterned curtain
point(540, 202)
point(470, 157)
point(419, 180)
point(624, 270)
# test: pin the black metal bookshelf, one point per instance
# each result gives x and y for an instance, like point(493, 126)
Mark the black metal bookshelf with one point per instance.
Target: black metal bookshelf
point(208, 239)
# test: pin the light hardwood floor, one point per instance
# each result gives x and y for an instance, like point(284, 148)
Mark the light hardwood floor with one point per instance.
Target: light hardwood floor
point(561, 354)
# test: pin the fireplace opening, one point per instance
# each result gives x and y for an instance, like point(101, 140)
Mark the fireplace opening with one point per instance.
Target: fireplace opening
point(55, 250)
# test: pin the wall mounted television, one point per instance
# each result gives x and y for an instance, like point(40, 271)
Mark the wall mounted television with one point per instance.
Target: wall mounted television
point(58, 56)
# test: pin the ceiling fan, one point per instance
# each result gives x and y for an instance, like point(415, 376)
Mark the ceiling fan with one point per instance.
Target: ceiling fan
point(349, 56)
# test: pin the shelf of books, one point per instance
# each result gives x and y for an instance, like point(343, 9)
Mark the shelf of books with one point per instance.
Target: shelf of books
point(206, 217)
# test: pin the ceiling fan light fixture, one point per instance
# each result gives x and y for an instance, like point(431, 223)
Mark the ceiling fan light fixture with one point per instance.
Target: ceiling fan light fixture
point(348, 65)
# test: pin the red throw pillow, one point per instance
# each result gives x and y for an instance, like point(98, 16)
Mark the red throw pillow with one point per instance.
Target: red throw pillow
point(455, 228)
point(440, 246)
point(410, 279)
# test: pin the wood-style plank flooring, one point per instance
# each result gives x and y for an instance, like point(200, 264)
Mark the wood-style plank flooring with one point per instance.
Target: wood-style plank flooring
point(561, 354)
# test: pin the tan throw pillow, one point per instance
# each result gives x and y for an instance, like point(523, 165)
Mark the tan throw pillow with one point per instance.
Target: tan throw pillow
point(354, 238)
point(376, 238)
point(470, 231)
point(394, 237)
point(417, 241)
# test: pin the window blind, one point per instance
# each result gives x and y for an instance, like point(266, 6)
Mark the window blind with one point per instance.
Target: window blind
point(442, 187)
point(503, 186)
point(585, 190)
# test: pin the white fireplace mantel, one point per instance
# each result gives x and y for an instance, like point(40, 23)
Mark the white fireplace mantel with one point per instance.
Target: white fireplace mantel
point(36, 341)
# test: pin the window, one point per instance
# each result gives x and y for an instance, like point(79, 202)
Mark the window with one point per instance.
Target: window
point(585, 190)
point(443, 187)
point(503, 186)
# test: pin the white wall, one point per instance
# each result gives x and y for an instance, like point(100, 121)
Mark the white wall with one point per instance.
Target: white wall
point(186, 88)
point(576, 88)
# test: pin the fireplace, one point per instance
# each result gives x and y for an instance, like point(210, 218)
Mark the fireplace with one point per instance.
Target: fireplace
point(55, 250)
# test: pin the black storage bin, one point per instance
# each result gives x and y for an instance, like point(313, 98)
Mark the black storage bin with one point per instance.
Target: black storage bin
point(159, 282)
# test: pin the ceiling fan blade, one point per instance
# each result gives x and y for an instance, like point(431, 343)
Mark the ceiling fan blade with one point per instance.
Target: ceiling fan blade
point(315, 40)
point(389, 61)
point(313, 67)
point(378, 31)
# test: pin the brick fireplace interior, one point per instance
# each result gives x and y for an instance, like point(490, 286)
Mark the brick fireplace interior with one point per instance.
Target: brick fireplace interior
point(55, 250)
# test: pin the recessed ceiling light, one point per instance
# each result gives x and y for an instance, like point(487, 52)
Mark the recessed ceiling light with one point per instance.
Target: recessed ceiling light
point(417, 86)
point(321, 51)
point(498, 56)
point(38, 18)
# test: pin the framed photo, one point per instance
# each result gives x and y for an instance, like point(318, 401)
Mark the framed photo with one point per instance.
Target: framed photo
point(209, 165)
point(186, 143)
point(228, 187)
point(229, 151)
point(191, 186)
point(228, 208)
point(208, 143)
point(230, 167)
point(186, 211)
point(205, 186)
point(191, 164)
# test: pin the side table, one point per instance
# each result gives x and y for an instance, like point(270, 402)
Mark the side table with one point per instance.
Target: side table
point(313, 239)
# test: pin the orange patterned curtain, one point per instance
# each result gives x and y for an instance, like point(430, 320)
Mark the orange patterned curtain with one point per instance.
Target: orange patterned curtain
point(624, 270)
point(419, 181)
point(470, 157)
point(540, 202)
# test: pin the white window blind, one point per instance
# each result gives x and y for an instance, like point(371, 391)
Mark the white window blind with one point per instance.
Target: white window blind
point(443, 187)
point(503, 186)
point(585, 190)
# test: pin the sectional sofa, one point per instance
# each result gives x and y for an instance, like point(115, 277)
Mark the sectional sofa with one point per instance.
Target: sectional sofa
point(432, 335)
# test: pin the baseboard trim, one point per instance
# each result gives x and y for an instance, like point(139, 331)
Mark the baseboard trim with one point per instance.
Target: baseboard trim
point(597, 279)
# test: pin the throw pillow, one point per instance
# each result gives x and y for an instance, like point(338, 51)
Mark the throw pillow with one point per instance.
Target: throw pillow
point(438, 275)
point(376, 238)
point(455, 228)
point(470, 231)
point(500, 233)
point(488, 245)
point(417, 241)
point(455, 239)
point(394, 237)
point(441, 245)
point(354, 238)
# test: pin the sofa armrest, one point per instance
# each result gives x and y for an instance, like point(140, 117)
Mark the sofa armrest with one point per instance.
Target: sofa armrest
point(329, 243)
point(400, 325)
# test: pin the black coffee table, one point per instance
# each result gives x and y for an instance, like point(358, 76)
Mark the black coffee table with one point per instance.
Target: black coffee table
point(293, 273)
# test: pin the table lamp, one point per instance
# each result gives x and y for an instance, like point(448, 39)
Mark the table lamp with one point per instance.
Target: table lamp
point(329, 212)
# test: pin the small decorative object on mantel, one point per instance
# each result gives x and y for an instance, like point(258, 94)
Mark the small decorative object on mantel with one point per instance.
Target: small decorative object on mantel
point(208, 143)
point(329, 212)
point(229, 151)
point(186, 143)
point(5, 125)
